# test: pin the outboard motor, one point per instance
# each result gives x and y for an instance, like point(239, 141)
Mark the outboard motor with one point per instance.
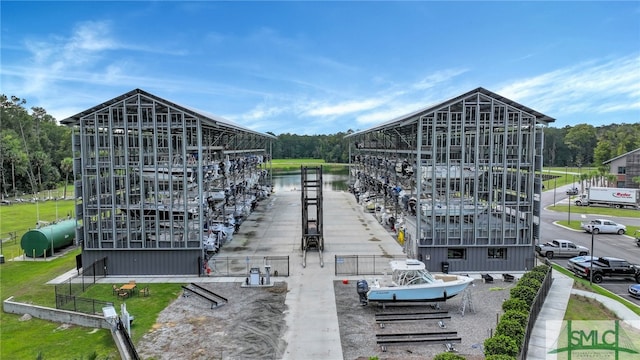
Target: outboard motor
point(363, 289)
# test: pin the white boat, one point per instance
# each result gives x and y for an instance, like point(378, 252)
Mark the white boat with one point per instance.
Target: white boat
point(451, 172)
point(165, 175)
point(453, 207)
point(411, 281)
point(159, 212)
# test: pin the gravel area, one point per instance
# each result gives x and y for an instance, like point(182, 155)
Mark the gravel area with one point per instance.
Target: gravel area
point(251, 325)
point(358, 326)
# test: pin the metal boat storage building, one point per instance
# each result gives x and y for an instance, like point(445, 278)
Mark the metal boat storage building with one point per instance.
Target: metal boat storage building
point(153, 178)
point(464, 174)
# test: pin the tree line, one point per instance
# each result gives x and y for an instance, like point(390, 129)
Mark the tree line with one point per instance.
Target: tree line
point(36, 155)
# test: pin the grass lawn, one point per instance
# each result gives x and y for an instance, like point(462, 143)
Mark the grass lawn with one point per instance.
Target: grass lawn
point(591, 211)
point(293, 165)
point(26, 281)
point(17, 219)
point(584, 308)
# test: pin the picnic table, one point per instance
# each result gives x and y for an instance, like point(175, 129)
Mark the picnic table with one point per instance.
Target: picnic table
point(129, 288)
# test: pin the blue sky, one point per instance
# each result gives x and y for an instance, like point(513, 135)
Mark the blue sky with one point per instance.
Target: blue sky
point(325, 67)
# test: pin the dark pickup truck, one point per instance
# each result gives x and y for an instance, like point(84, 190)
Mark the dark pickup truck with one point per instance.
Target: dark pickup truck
point(607, 267)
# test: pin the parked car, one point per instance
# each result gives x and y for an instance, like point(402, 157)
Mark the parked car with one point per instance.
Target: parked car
point(604, 226)
point(559, 247)
point(609, 267)
point(634, 291)
point(580, 259)
point(572, 191)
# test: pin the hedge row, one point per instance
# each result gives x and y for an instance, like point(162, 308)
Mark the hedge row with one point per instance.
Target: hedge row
point(506, 343)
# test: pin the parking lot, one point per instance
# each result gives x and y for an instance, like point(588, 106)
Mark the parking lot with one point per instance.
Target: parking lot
point(617, 286)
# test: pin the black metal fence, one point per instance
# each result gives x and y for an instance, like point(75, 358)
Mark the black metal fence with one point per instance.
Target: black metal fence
point(128, 343)
point(83, 305)
point(240, 266)
point(536, 307)
point(68, 291)
point(364, 264)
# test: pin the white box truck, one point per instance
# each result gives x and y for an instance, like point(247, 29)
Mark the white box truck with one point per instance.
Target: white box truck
point(617, 197)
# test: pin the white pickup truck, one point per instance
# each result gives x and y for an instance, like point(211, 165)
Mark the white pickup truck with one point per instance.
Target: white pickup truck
point(603, 226)
point(557, 248)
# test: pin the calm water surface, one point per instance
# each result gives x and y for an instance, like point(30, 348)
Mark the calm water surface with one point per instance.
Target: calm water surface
point(291, 181)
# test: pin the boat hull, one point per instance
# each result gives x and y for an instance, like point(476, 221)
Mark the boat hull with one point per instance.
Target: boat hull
point(427, 293)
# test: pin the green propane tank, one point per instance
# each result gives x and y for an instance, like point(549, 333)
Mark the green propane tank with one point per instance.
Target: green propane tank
point(37, 242)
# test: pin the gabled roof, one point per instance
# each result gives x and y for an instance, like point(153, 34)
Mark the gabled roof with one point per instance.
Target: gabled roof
point(621, 156)
point(207, 118)
point(414, 116)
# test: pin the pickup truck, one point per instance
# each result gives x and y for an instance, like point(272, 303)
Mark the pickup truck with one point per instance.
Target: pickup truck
point(558, 247)
point(607, 267)
point(572, 191)
point(603, 226)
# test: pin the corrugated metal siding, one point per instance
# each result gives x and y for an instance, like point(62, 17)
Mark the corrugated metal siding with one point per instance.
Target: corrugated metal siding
point(156, 262)
point(519, 258)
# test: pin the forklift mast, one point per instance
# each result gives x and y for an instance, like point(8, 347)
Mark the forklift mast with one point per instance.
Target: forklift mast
point(312, 233)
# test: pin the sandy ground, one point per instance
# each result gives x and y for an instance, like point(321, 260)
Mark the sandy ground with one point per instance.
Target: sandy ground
point(251, 325)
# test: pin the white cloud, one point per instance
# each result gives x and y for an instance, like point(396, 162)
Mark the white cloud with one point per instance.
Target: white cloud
point(91, 36)
point(595, 86)
point(344, 108)
point(437, 78)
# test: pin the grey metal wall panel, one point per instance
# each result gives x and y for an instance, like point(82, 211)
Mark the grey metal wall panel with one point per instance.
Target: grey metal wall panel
point(518, 259)
point(151, 262)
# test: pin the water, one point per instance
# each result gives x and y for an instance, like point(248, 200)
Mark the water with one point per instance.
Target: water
point(291, 181)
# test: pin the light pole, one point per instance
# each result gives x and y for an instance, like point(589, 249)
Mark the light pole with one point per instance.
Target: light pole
point(569, 214)
point(555, 185)
point(591, 262)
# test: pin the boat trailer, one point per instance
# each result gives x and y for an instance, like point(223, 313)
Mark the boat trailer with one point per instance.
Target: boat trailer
point(312, 235)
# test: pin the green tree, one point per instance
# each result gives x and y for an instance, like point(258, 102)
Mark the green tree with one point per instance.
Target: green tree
point(14, 160)
point(66, 166)
point(555, 151)
point(581, 140)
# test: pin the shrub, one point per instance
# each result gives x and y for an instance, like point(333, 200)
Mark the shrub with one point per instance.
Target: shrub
point(541, 268)
point(448, 356)
point(524, 293)
point(521, 317)
point(530, 282)
point(500, 357)
point(501, 345)
point(533, 274)
point(511, 328)
point(515, 304)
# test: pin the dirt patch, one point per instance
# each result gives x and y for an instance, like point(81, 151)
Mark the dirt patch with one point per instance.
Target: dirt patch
point(250, 326)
